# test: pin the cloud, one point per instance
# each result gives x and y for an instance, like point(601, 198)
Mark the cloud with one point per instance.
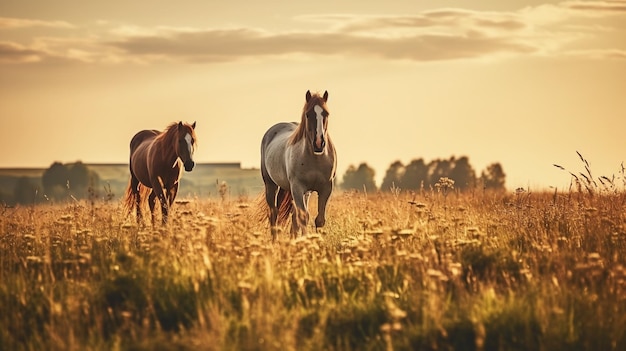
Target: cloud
point(15, 53)
point(241, 43)
point(442, 20)
point(441, 34)
point(599, 6)
point(56, 51)
point(613, 54)
point(433, 35)
point(13, 23)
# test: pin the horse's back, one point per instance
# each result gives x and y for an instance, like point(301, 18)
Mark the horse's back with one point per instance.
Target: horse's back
point(278, 131)
point(140, 137)
point(139, 145)
point(273, 147)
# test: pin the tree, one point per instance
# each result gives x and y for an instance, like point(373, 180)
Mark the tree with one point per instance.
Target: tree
point(59, 181)
point(55, 180)
point(463, 174)
point(357, 178)
point(438, 169)
point(78, 175)
point(6, 198)
point(393, 177)
point(415, 175)
point(25, 192)
point(81, 178)
point(493, 177)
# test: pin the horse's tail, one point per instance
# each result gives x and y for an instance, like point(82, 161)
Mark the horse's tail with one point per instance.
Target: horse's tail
point(285, 208)
point(130, 199)
point(263, 211)
point(130, 196)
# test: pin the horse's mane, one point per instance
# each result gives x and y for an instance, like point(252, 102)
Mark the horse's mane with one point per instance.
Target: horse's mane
point(168, 137)
point(300, 132)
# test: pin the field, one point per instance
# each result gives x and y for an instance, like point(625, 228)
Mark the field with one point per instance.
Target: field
point(430, 270)
point(203, 181)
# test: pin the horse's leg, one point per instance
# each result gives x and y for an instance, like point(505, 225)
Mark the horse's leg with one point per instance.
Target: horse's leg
point(152, 203)
point(172, 193)
point(307, 195)
point(165, 205)
point(270, 197)
point(300, 213)
point(323, 196)
point(134, 187)
point(159, 192)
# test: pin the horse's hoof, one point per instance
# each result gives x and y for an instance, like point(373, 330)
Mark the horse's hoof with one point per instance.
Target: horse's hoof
point(319, 222)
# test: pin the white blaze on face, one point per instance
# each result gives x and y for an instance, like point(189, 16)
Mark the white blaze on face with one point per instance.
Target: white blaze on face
point(189, 146)
point(320, 126)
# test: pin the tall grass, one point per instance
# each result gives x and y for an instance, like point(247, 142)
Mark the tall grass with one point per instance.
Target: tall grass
point(404, 271)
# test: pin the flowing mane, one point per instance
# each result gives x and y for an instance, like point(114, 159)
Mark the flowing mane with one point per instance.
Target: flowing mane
point(168, 137)
point(165, 139)
point(300, 131)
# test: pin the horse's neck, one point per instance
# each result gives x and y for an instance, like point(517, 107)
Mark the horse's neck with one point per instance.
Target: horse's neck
point(167, 152)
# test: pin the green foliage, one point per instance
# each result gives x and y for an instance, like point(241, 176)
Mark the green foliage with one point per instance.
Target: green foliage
point(454, 334)
point(419, 175)
point(62, 181)
point(5, 198)
point(355, 327)
point(175, 304)
point(512, 327)
point(493, 177)
point(361, 178)
point(393, 177)
point(416, 175)
point(33, 309)
point(489, 263)
point(122, 300)
point(463, 174)
point(55, 180)
point(26, 192)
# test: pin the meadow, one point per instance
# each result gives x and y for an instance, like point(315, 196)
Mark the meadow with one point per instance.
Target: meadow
point(428, 270)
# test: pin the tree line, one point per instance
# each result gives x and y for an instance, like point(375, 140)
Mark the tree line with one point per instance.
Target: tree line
point(59, 182)
point(418, 174)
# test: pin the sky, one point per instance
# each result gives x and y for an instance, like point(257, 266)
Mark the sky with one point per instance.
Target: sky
point(526, 84)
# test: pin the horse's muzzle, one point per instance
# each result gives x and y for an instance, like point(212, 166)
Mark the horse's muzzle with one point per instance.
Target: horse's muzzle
point(189, 165)
point(319, 150)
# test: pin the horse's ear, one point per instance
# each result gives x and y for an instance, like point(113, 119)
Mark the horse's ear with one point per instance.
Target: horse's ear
point(325, 96)
point(193, 126)
point(308, 95)
point(180, 125)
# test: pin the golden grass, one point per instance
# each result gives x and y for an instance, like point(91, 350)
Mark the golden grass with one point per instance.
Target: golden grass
point(474, 271)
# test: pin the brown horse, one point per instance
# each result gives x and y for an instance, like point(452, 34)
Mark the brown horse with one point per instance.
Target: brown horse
point(297, 159)
point(155, 162)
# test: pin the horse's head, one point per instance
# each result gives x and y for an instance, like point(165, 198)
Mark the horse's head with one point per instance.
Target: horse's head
point(316, 119)
point(186, 144)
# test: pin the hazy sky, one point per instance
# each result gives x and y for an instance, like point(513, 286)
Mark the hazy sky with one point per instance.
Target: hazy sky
point(523, 83)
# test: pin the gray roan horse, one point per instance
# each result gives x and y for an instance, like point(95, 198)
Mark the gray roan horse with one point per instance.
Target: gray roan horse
point(155, 162)
point(296, 159)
